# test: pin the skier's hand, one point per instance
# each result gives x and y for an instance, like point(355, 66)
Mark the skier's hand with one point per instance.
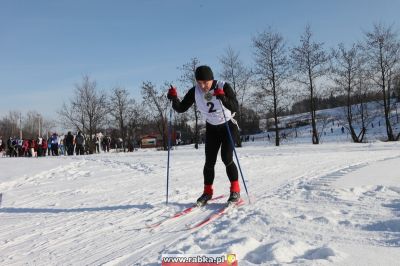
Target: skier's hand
point(219, 93)
point(172, 94)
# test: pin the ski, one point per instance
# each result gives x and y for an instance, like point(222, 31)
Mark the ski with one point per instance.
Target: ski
point(180, 213)
point(1, 198)
point(217, 214)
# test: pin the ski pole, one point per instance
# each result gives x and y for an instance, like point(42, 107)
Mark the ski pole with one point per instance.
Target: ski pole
point(234, 150)
point(169, 148)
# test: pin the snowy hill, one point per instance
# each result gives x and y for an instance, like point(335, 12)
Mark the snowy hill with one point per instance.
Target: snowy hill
point(331, 204)
point(330, 123)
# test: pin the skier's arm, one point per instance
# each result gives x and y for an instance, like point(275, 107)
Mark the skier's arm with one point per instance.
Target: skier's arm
point(229, 99)
point(188, 100)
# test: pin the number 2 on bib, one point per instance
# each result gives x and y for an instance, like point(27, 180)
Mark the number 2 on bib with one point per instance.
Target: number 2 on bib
point(211, 105)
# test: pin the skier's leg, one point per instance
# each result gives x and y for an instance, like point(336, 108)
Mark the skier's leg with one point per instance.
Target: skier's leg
point(227, 158)
point(213, 142)
point(212, 145)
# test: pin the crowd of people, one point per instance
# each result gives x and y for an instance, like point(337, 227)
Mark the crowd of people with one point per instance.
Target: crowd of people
point(55, 145)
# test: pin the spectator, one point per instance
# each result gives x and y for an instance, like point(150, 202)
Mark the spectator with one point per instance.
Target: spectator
point(39, 145)
point(32, 148)
point(62, 145)
point(97, 144)
point(54, 144)
point(80, 142)
point(69, 143)
point(106, 142)
point(44, 147)
point(25, 148)
point(48, 146)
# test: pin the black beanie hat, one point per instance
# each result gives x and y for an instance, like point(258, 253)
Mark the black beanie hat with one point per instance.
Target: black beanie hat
point(204, 73)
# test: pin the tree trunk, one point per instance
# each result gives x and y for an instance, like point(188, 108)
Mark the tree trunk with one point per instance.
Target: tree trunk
point(353, 134)
point(277, 139)
point(315, 137)
point(386, 101)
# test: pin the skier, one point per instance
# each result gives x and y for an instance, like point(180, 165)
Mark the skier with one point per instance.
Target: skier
point(207, 95)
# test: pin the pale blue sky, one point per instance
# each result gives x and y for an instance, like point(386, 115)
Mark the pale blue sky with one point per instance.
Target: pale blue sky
point(46, 46)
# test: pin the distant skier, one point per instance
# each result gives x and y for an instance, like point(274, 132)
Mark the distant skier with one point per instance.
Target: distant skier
point(207, 94)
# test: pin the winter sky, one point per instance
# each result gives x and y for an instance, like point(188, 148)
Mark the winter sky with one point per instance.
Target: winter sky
point(46, 46)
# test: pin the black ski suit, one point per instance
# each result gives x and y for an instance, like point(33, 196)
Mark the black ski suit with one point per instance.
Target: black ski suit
point(216, 135)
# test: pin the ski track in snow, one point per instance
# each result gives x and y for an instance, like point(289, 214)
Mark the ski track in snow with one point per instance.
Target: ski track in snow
point(93, 210)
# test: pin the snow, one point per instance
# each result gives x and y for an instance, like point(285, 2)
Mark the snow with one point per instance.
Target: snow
point(330, 204)
point(330, 122)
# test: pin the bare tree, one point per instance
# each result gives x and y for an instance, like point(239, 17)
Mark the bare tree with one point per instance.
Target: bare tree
point(121, 110)
point(47, 125)
point(86, 111)
point(9, 125)
point(30, 124)
point(158, 104)
point(382, 48)
point(137, 119)
point(34, 125)
point(396, 87)
point(396, 82)
point(309, 61)
point(272, 68)
point(237, 74)
point(188, 79)
point(348, 69)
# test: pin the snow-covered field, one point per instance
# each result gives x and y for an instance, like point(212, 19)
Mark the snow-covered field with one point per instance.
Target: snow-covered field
point(330, 204)
point(330, 122)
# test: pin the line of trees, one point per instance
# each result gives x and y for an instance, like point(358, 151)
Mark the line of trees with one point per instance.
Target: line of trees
point(306, 77)
point(30, 125)
point(346, 75)
point(282, 80)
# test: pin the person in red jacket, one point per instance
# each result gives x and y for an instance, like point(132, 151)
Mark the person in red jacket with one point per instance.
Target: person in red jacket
point(25, 148)
point(33, 148)
point(217, 103)
point(44, 147)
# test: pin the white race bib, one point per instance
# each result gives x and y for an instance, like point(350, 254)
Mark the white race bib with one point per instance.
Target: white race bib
point(210, 107)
